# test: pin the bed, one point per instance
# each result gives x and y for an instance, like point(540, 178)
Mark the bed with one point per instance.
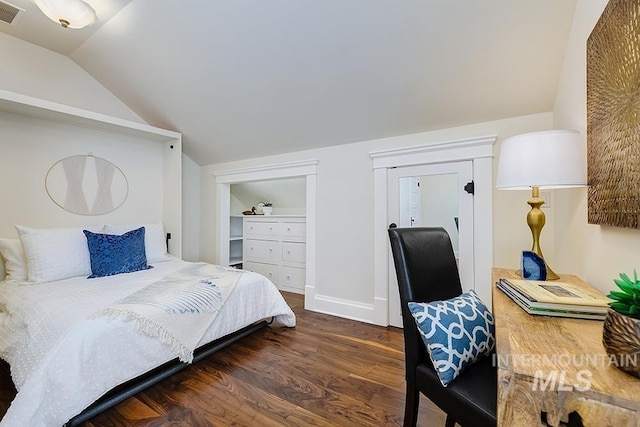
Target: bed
point(69, 361)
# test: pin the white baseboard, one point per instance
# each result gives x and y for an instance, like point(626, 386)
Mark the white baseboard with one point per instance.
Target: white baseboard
point(381, 316)
point(291, 289)
point(348, 309)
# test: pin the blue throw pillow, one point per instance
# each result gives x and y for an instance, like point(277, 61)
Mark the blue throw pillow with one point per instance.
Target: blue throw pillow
point(457, 332)
point(112, 254)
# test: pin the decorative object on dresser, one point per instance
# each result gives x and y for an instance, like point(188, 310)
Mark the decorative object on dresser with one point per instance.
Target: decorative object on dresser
point(265, 207)
point(613, 124)
point(541, 160)
point(275, 246)
point(621, 331)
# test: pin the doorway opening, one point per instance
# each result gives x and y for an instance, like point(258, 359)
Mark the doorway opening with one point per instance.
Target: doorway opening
point(270, 241)
point(305, 170)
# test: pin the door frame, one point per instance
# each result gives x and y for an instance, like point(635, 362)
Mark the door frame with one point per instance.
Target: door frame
point(463, 171)
point(305, 169)
point(479, 150)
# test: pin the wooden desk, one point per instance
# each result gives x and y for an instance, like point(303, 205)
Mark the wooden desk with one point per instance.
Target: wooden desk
point(557, 366)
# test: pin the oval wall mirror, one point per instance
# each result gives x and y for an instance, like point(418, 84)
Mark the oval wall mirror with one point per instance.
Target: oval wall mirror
point(86, 185)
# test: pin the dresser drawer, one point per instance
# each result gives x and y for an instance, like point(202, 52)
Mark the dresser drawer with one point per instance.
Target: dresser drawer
point(270, 271)
point(292, 279)
point(261, 250)
point(293, 229)
point(293, 252)
point(261, 228)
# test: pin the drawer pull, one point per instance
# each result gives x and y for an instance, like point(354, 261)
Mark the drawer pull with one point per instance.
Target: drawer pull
point(288, 228)
point(270, 250)
point(288, 277)
point(270, 228)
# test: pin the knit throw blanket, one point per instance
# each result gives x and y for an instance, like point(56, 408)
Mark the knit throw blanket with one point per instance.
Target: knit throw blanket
point(179, 308)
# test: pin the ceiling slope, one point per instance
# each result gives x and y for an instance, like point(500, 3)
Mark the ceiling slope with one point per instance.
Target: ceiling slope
point(248, 78)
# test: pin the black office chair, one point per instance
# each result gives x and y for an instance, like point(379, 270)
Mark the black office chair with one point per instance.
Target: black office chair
point(427, 271)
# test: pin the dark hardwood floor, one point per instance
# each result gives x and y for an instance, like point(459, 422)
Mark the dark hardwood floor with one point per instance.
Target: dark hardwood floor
point(327, 371)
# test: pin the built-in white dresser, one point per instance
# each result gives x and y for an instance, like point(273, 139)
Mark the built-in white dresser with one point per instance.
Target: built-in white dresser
point(275, 246)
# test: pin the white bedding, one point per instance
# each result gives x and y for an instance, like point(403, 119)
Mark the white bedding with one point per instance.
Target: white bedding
point(59, 369)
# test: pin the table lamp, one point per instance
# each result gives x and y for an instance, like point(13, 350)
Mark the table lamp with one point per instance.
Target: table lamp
point(541, 160)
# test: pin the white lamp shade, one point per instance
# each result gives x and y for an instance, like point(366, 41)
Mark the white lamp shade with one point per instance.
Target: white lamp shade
point(76, 12)
point(548, 159)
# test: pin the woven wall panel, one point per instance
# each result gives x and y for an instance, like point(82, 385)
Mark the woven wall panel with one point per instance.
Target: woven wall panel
point(613, 116)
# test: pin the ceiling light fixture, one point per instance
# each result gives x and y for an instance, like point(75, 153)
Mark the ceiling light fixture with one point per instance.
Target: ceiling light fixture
point(68, 13)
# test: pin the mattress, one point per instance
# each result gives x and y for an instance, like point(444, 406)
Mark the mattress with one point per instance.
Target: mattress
point(62, 359)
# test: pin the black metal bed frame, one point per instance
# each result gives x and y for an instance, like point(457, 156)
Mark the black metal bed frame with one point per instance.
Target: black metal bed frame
point(136, 385)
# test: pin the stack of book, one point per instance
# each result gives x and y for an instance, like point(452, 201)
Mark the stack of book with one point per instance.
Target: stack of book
point(555, 298)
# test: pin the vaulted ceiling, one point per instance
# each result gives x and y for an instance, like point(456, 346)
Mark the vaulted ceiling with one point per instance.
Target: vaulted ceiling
point(247, 78)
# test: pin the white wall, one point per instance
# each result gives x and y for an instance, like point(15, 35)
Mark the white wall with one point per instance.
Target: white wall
point(236, 206)
point(288, 196)
point(596, 253)
point(345, 246)
point(190, 209)
point(32, 70)
point(29, 147)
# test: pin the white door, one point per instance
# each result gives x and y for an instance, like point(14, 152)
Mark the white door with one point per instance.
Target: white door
point(444, 202)
point(410, 201)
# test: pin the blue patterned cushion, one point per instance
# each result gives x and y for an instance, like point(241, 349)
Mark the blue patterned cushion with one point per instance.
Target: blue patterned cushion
point(112, 254)
point(457, 332)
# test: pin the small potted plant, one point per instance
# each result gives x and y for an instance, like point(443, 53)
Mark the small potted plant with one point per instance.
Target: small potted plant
point(621, 331)
point(267, 208)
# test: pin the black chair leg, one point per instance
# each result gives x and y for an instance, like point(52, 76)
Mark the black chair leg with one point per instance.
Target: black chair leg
point(411, 403)
point(449, 422)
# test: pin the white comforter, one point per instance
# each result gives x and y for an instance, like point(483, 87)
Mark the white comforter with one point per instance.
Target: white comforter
point(62, 361)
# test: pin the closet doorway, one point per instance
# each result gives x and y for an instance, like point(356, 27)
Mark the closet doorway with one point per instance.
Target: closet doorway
point(270, 241)
point(304, 170)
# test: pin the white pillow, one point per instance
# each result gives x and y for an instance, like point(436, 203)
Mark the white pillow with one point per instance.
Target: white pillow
point(55, 253)
point(15, 264)
point(155, 244)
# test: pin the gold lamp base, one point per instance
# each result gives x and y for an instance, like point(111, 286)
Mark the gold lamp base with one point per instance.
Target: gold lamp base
point(536, 220)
